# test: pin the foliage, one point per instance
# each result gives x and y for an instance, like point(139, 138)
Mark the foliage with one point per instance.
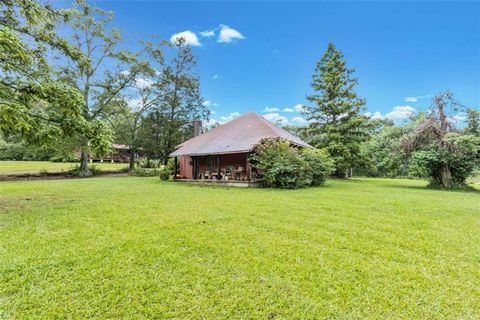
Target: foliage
point(165, 174)
point(462, 156)
point(34, 103)
point(23, 151)
point(336, 122)
point(320, 165)
point(149, 163)
point(168, 170)
point(383, 155)
point(128, 110)
point(179, 103)
point(473, 122)
point(283, 166)
point(357, 249)
point(439, 153)
point(145, 172)
point(91, 33)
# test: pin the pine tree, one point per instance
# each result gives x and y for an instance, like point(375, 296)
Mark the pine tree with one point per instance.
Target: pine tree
point(335, 118)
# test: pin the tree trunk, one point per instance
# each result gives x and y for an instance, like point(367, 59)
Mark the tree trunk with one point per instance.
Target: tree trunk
point(84, 171)
point(131, 164)
point(446, 176)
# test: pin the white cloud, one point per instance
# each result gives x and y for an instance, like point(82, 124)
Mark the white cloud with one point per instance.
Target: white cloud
point(377, 116)
point(207, 33)
point(288, 110)
point(228, 34)
point(208, 103)
point(271, 109)
point(142, 83)
point(299, 107)
point(401, 112)
point(125, 73)
point(415, 99)
point(460, 117)
point(211, 122)
point(222, 119)
point(299, 120)
point(216, 76)
point(231, 116)
point(276, 118)
point(189, 37)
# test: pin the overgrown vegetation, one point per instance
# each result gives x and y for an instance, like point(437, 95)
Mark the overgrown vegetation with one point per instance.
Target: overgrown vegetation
point(281, 165)
point(439, 152)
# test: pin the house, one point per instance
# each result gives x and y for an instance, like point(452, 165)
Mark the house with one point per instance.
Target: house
point(223, 152)
point(119, 153)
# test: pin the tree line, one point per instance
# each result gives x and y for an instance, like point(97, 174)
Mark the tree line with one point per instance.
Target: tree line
point(430, 145)
point(67, 85)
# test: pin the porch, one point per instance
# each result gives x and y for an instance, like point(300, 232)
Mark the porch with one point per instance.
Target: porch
point(221, 167)
point(221, 183)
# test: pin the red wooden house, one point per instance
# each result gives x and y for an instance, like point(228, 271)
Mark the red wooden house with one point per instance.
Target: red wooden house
point(223, 152)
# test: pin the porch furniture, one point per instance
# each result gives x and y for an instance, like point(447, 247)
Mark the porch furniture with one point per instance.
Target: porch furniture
point(206, 175)
point(239, 173)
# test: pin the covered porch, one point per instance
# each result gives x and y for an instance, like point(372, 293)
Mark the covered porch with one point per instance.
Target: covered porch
point(219, 167)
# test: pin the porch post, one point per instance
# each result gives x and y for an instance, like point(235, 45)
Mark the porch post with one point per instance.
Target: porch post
point(195, 167)
point(175, 168)
point(247, 167)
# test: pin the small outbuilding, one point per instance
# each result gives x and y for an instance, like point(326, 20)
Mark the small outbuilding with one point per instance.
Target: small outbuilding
point(223, 153)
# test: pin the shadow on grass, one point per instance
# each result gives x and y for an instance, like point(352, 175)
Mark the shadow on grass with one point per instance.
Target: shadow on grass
point(426, 188)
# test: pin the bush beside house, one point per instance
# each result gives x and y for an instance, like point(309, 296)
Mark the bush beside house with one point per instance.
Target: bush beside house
point(282, 166)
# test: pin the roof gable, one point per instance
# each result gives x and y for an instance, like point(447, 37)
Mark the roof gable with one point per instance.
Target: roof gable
point(239, 135)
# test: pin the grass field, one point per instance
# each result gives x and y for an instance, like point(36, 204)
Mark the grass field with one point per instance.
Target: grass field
point(19, 167)
point(136, 248)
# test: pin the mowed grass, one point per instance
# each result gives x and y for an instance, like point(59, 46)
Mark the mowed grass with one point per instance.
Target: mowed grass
point(137, 248)
point(20, 167)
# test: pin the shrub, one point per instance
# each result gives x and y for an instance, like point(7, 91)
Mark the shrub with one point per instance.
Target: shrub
point(148, 163)
point(283, 166)
point(165, 174)
point(320, 165)
point(23, 151)
point(142, 172)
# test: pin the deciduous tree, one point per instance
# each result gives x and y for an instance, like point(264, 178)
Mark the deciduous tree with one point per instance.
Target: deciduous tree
point(439, 151)
point(101, 76)
point(34, 104)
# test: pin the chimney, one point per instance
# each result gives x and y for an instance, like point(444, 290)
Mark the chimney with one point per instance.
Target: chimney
point(197, 127)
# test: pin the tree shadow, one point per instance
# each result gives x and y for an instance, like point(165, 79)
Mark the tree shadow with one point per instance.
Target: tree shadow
point(426, 188)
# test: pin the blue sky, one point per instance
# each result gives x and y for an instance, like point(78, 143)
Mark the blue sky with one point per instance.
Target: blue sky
point(402, 52)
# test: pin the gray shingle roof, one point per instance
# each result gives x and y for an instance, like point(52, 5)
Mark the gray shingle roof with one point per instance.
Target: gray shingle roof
point(237, 136)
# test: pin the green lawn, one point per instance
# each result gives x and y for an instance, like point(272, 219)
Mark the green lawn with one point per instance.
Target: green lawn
point(19, 167)
point(135, 248)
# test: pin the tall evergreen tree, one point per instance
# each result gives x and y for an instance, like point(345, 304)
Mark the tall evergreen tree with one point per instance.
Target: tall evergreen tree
point(336, 122)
